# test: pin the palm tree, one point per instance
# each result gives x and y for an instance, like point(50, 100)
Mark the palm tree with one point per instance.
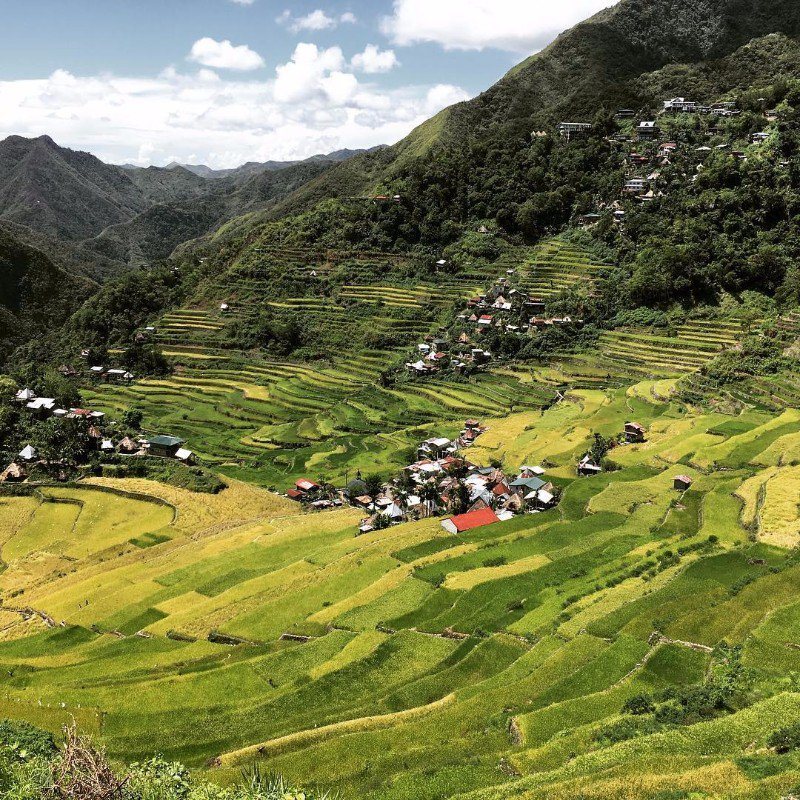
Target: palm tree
point(430, 495)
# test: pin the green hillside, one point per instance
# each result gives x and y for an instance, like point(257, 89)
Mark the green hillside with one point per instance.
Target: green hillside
point(486, 294)
point(498, 663)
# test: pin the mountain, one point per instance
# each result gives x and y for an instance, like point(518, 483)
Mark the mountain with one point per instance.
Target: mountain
point(73, 195)
point(35, 295)
point(99, 219)
point(599, 64)
point(252, 168)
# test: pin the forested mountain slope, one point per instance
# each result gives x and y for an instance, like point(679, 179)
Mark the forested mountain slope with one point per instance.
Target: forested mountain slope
point(35, 296)
point(101, 219)
point(593, 66)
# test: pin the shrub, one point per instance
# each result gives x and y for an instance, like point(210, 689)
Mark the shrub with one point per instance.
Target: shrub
point(24, 740)
point(639, 704)
point(785, 740)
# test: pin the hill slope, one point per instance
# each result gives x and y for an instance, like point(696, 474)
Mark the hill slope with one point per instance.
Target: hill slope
point(35, 295)
point(594, 65)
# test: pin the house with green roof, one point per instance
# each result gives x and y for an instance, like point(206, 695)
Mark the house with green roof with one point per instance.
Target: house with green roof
point(164, 446)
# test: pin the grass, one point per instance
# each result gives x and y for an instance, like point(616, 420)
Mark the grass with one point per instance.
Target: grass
point(233, 629)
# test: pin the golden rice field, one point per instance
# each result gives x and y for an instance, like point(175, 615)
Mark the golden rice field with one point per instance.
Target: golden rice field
point(235, 629)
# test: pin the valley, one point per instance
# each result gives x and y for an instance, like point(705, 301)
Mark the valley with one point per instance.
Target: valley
point(491, 662)
point(462, 467)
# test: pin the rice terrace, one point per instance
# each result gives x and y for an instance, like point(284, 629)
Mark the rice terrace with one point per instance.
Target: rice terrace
point(366, 434)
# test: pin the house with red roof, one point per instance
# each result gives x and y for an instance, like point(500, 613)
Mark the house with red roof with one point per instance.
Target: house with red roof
point(469, 521)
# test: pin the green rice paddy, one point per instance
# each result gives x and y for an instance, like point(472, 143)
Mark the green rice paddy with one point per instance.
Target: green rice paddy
point(425, 673)
point(233, 630)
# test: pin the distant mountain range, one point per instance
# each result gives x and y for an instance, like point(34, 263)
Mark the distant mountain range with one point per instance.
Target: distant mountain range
point(254, 167)
point(100, 218)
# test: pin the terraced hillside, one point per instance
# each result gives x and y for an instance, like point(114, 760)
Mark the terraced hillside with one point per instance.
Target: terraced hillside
point(412, 663)
point(272, 421)
point(627, 354)
point(555, 266)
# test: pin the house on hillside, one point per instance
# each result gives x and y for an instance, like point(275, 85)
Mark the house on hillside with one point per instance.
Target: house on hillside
point(14, 473)
point(587, 467)
point(572, 130)
point(680, 105)
point(305, 486)
point(469, 521)
point(635, 186)
point(683, 483)
point(540, 500)
point(634, 432)
point(29, 453)
point(68, 371)
point(434, 448)
point(41, 407)
point(185, 456)
point(121, 375)
point(647, 130)
point(25, 396)
point(164, 446)
point(128, 447)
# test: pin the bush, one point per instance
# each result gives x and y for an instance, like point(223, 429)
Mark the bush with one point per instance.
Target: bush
point(639, 704)
point(785, 740)
point(25, 740)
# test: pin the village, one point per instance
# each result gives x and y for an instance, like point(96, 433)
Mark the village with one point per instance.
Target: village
point(651, 153)
point(90, 437)
point(502, 310)
point(444, 482)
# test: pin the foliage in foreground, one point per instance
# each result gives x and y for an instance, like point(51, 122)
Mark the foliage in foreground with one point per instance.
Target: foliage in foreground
point(31, 768)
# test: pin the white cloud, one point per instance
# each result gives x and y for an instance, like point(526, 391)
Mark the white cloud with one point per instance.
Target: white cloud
point(220, 121)
point(304, 76)
point(317, 20)
point(373, 61)
point(224, 55)
point(243, 2)
point(517, 25)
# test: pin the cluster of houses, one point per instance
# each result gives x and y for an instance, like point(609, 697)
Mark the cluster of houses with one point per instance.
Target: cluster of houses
point(643, 186)
point(508, 310)
point(632, 433)
point(44, 407)
point(680, 105)
point(502, 309)
point(442, 479)
point(315, 495)
point(101, 439)
point(98, 372)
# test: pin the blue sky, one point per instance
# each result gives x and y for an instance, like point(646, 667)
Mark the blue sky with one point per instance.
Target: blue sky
point(225, 81)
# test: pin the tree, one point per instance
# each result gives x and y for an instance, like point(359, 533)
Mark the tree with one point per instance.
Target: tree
point(430, 495)
point(459, 498)
point(65, 440)
point(374, 485)
point(639, 704)
point(600, 447)
point(132, 418)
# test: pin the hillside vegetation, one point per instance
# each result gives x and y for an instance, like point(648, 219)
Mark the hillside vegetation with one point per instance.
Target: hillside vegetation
point(636, 639)
point(625, 301)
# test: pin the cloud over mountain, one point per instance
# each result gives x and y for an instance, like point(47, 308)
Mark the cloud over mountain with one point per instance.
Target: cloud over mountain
point(517, 25)
point(224, 55)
